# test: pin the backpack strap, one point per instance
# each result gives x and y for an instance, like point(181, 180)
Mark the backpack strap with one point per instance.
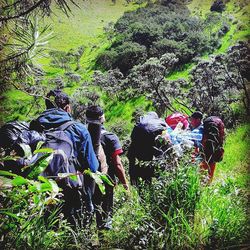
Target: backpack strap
point(63, 127)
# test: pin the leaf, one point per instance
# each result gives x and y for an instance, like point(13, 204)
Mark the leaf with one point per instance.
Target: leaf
point(5, 183)
point(54, 186)
point(41, 164)
point(39, 145)
point(7, 173)
point(102, 188)
point(27, 150)
point(64, 175)
point(36, 199)
point(43, 179)
point(44, 150)
point(45, 187)
point(73, 177)
point(19, 180)
point(97, 180)
point(105, 178)
point(10, 214)
point(9, 158)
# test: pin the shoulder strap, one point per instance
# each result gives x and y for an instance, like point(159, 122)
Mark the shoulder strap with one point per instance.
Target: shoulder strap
point(64, 126)
point(103, 131)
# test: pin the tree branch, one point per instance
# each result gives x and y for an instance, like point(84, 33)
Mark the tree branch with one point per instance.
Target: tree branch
point(33, 7)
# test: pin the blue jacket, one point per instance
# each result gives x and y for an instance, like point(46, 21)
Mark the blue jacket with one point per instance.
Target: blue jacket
point(78, 134)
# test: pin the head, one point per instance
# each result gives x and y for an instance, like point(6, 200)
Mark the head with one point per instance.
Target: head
point(195, 119)
point(58, 99)
point(95, 113)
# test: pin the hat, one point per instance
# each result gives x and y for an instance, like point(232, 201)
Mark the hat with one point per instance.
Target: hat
point(197, 115)
point(94, 113)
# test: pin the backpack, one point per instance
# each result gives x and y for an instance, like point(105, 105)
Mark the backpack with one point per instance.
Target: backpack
point(16, 137)
point(213, 139)
point(173, 119)
point(10, 134)
point(143, 137)
point(63, 160)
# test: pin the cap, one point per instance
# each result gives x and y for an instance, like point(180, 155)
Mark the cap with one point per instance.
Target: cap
point(197, 115)
point(94, 113)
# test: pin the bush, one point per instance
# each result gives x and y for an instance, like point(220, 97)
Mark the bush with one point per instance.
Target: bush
point(154, 31)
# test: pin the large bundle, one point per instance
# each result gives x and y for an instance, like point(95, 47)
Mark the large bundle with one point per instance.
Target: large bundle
point(144, 134)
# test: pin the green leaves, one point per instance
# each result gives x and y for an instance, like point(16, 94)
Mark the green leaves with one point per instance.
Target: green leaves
point(6, 173)
point(99, 179)
point(40, 165)
point(19, 180)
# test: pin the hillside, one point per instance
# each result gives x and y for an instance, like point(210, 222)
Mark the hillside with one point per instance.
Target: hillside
point(131, 58)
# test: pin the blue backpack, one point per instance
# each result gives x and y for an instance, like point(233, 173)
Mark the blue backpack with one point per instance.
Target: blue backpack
point(64, 160)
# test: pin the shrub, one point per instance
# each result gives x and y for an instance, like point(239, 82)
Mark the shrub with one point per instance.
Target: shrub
point(155, 30)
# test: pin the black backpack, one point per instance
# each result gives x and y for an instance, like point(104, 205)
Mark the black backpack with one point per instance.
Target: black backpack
point(213, 139)
point(11, 136)
point(63, 160)
point(143, 137)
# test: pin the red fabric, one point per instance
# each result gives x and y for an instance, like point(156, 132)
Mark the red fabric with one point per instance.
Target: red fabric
point(210, 167)
point(117, 152)
point(173, 119)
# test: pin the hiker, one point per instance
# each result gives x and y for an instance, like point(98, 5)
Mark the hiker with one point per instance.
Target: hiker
point(57, 118)
point(212, 143)
point(112, 148)
point(143, 147)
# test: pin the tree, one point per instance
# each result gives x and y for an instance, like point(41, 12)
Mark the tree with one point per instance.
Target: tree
point(221, 81)
point(20, 21)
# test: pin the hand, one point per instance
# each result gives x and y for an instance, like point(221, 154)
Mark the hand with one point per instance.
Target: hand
point(126, 186)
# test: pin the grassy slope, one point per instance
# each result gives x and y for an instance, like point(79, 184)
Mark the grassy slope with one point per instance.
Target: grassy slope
point(239, 28)
point(83, 27)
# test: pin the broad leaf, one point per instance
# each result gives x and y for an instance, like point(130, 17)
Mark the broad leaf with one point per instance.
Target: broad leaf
point(97, 180)
point(7, 173)
point(73, 177)
point(27, 150)
point(54, 186)
point(44, 150)
point(105, 178)
point(45, 187)
point(19, 180)
point(40, 165)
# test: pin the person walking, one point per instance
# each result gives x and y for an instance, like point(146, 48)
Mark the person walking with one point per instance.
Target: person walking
point(77, 198)
point(112, 148)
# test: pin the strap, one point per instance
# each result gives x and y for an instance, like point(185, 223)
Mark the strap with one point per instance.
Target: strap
point(65, 125)
point(103, 131)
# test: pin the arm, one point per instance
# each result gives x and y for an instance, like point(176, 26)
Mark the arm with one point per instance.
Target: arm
point(119, 170)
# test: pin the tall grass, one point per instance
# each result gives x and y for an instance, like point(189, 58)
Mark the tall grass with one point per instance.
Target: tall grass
point(178, 212)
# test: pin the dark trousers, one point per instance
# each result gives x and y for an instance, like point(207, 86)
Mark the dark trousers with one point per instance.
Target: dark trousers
point(104, 207)
point(78, 207)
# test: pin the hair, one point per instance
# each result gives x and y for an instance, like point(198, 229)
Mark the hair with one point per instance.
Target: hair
point(56, 99)
point(197, 115)
point(94, 112)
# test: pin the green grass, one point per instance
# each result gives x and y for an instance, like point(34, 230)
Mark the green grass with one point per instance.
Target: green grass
point(236, 161)
point(122, 111)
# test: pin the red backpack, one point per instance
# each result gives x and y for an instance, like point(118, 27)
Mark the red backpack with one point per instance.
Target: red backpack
point(173, 119)
point(213, 139)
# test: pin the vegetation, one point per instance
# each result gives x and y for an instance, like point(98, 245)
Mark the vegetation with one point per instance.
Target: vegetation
point(160, 55)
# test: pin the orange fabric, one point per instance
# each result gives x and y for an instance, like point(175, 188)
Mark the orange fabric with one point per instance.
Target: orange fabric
point(210, 167)
point(194, 154)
